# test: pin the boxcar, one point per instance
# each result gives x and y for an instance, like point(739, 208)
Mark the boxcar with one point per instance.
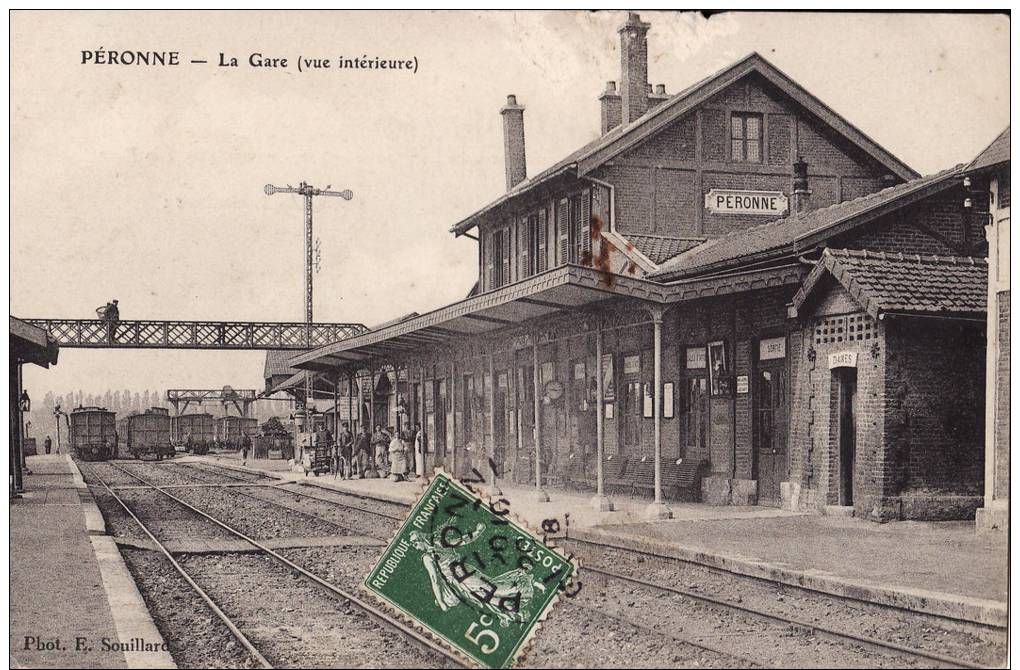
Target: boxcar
point(93, 433)
point(197, 432)
point(230, 430)
point(148, 434)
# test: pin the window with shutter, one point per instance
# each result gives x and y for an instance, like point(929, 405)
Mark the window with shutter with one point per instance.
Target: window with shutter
point(524, 250)
point(488, 279)
point(523, 247)
point(505, 258)
point(563, 231)
point(584, 232)
point(542, 261)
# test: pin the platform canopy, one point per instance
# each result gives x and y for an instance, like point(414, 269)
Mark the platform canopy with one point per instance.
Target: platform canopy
point(568, 288)
point(31, 344)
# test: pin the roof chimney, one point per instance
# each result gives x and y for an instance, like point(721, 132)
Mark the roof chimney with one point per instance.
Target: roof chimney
point(611, 112)
point(634, 67)
point(657, 97)
point(513, 142)
point(801, 192)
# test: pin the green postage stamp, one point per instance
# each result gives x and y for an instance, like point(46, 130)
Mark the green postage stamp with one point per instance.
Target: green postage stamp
point(463, 569)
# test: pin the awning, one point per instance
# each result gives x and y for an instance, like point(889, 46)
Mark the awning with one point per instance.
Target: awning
point(569, 287)
point(563, 289)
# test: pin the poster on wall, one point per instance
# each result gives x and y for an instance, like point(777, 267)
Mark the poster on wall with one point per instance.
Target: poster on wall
point(667, 400)
point(718, 368)
point(649, 404)
point(608, 383)
point(696, 358)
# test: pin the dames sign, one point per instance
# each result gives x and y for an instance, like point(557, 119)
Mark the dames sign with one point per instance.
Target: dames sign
point(726, 201)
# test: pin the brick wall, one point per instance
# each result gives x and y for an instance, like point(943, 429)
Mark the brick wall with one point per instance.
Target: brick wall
point(661, 182)
point(814, 423)
point(1002, 397)
point(934, 419)
point(938, 225)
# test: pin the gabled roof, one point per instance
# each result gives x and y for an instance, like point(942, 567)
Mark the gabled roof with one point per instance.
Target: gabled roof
point(594, 154)
point(903, 283)
point(276, 364)
point(802, 231)
point(994, 154)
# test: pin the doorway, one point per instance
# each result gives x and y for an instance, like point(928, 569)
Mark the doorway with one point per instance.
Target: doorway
point(846, 400)
point(771, 413)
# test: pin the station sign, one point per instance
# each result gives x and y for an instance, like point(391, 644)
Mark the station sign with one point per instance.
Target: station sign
point(734, 201)
point(843, 359)
point(772, 348)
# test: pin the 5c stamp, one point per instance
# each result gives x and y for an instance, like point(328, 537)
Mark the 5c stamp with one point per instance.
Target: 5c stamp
point(462, 568)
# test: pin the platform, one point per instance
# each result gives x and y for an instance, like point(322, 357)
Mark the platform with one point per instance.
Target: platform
point(939, 568)
point(70, 589)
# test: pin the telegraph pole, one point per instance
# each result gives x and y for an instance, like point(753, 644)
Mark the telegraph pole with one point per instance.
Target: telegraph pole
point(308, 192)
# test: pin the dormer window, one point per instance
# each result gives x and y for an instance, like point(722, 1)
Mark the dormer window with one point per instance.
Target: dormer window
point(745, 137)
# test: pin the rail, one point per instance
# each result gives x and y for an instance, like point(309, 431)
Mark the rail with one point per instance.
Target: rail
point(365, 606)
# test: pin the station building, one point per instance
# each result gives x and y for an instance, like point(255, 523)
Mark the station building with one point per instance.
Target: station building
point(732, 295)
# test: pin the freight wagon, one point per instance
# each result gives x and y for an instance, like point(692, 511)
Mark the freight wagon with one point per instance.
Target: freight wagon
point(195, 432)
point(93, 433)
point(230, 430)
point(148, 434)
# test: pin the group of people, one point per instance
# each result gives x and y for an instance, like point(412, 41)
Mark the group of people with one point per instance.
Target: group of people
point(384, 452)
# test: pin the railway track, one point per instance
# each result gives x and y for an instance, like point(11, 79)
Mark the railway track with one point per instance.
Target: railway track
point(223, 470)
point(885, 650)
point(816, 629)
point(366, 608)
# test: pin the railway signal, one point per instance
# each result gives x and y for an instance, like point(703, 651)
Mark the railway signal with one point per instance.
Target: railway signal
point(308, 192)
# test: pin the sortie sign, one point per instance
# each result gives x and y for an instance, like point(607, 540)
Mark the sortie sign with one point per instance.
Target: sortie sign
point(729, 201)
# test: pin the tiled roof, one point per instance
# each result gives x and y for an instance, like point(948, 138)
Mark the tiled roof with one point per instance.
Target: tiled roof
point(658, 248)
point(681, 103)
point(995, 153)
point(883, 282)
point(784, 234)
point(276, 364)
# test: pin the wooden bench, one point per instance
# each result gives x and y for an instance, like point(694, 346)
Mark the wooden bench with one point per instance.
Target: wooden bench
point(577, 474)
point(681, 477)
point(615, 471)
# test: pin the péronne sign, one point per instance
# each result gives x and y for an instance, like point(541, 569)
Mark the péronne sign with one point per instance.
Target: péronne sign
point(728, 201)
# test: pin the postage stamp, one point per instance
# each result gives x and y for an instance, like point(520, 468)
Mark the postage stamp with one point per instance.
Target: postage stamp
point(463, 568)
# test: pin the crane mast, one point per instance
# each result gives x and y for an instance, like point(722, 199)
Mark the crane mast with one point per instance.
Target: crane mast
point(307, 191)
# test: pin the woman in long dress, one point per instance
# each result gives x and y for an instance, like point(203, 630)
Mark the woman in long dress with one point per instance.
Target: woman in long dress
point(398, 457)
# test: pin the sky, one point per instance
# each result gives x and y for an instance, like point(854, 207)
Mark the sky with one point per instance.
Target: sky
point(145, 184)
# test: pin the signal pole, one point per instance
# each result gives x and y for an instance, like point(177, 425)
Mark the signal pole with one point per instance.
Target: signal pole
point(308, 192)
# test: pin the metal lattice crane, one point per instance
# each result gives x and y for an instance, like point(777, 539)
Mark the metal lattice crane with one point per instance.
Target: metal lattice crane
point(308, 191)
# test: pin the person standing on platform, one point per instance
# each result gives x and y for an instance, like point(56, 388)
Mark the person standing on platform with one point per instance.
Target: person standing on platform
point(380, 447)
point(397, 456)
point(245, 448)
point(420, 450)
point(47, 444)
point(362, 452)
point(344, 443)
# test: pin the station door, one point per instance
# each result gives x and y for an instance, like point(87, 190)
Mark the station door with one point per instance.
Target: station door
point(771, 416)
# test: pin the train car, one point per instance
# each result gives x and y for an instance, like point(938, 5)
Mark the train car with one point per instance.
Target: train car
point(93, 433)
point(196, 432)
point(148, 434)
point(230, 430)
